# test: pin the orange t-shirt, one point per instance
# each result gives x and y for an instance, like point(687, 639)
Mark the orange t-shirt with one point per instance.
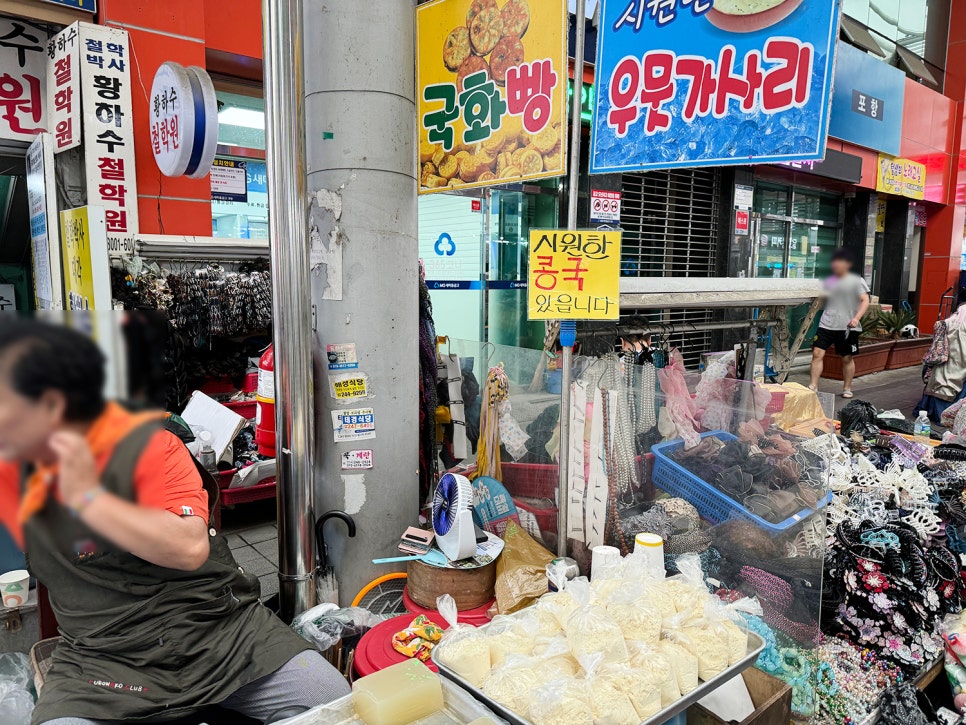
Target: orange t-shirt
point(165, 478)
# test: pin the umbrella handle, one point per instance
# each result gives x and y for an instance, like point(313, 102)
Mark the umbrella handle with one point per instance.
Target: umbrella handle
point(320, 533)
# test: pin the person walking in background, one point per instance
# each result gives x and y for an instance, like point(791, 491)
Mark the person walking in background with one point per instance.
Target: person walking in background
point(841, 323)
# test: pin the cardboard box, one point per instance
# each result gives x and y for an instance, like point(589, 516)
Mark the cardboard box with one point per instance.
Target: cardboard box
point(772, 699)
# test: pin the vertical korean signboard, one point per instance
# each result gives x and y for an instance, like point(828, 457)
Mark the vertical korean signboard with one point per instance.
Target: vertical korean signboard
point(574, 275)
point(491, 80)
point(63, 88)
point(109, 132)
point(22, 79)
point(44, 237)
point(688, 84)
point(87, 277)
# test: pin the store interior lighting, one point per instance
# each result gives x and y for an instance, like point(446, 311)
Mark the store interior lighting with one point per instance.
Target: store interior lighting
point(245, 117)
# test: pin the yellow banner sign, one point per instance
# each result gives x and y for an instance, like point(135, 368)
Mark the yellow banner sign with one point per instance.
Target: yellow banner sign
point(901, 177)
point(75, 234)
point(491, 81)
point(574, 275)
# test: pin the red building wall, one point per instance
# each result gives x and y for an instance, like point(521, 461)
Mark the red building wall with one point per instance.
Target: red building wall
point(187, 32)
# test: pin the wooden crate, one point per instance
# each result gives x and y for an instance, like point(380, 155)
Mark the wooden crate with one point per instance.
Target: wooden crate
point(772, 699)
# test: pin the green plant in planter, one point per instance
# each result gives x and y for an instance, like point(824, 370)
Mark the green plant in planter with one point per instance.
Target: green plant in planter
point(891, 323)
point(872, 326)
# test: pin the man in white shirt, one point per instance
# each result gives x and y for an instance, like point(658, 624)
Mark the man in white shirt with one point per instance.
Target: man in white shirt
point(841, 323)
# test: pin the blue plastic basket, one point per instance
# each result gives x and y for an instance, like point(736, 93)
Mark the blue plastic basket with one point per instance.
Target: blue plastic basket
point(711, 503)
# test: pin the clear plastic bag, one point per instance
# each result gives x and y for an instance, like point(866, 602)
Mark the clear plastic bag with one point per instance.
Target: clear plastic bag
point(511, 683)
point(683, 663)
point(16, 707)
point(651, 658)
point(16, 684)
point(15, 668)
point(561, 702)
point(638, 620)
point(506, 635)
point(591, 630)
point(464, 649)
point(325, 625)
point(610, 702)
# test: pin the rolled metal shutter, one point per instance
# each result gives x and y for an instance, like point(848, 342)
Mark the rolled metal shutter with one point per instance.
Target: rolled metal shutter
point(670, 229)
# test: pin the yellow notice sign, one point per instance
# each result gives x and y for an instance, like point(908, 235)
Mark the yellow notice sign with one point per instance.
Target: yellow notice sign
point(349, 386)
point(491, 83)
point(901, 177)
point(574, 275)
point(75, 233)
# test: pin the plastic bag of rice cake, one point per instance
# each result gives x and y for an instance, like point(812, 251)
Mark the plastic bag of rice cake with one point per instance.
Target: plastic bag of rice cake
point(510, 683)
point(463, 649)
point(562, 702)
point(591, 630)
point(507, 635)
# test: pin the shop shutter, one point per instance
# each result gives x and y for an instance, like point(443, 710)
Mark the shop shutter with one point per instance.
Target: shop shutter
point(670, 229)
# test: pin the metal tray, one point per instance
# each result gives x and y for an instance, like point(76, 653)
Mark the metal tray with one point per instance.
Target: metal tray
point(755, 645)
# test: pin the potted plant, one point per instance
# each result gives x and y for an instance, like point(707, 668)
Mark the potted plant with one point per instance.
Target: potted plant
point(873, 351)
point(906, 352)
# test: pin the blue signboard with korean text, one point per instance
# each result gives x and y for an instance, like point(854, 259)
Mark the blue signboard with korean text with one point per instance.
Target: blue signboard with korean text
point(867, 101)
point(695, 83)
point(88, 6)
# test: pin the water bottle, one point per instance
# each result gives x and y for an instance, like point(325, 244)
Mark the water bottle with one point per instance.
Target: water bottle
point(206, 456)
point(922, 428)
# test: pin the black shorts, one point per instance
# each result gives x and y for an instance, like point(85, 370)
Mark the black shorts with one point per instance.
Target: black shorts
point(846, 342)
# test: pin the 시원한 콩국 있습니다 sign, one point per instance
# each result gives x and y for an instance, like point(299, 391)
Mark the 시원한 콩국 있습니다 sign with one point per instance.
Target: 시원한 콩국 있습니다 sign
point(491, 81)
point(574, 275)
point(696, 83)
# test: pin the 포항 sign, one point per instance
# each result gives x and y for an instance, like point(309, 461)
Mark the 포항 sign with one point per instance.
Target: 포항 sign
point(698, 83)
point(491, 80)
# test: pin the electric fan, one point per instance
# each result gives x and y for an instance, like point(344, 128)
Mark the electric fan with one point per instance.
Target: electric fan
point(453, 517)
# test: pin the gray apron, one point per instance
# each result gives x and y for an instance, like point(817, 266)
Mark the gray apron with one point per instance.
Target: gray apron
point(142, 642)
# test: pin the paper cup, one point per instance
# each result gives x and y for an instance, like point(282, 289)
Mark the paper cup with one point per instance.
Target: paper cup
point(15, 588)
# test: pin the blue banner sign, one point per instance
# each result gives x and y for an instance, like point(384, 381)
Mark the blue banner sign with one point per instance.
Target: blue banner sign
point(867, 102)
point(88, 6)
point(681, 83)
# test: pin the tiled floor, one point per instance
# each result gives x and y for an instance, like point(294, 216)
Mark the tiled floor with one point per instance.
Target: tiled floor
point(900, 389)
point(252, 535)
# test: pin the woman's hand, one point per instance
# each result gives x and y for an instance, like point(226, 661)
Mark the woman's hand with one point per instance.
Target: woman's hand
point(78, 475)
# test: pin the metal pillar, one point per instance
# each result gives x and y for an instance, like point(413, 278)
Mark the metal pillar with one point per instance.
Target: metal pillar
point(360, 111)
point(567, 330)
point(292, 312)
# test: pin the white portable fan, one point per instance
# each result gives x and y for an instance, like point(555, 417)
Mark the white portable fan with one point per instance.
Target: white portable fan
point(453, 517)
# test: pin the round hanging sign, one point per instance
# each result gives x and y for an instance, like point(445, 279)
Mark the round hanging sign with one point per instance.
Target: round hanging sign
point(184, 120)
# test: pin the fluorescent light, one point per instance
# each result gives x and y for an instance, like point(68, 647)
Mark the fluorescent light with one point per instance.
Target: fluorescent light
point(246, 117)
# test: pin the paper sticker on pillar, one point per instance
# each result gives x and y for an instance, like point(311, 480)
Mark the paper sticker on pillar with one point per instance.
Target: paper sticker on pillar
point(349, 386)
point(491, 91)
point(342, 356)
point(742, 221)
point(356, 460)
point(867, 100)
point(353, 424)
point(183, 112)
point(574, 275)
point(605, 206)
point(901, 177)
point(711, 83)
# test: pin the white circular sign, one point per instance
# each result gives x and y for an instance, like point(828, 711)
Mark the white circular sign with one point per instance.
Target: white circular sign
point(184, 120)
point(204, 93)
point(172, 112)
